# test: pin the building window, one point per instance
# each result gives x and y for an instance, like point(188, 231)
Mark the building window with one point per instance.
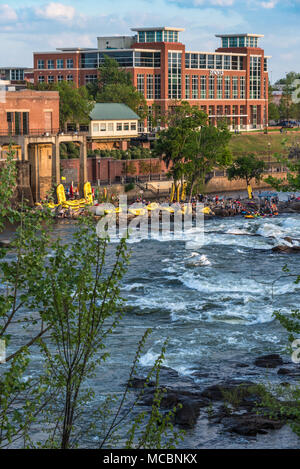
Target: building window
point(227, 88)
point(202, 63)
point(187, 60)
point(59, 63)
point(41, 79)
point(227, 62)
point(242, 88)
point(141, 59)
point(195, 85)
point(96, 128)
point(224, 42)
point(126, 126)
point(119, 127)
point(17, 75)
point(50, 64)
point(133, 126)
point(235, 92)
point(91, 79)
point(194, 60)
point(149, 86)
point(211, 61)
point(157, 87)
point(102, 127)
point(187, 86)
point(174, 75)
point(141, 84)
point(41, 64)
point(50, 79)
point(25, 123)
point(219, 62)
point(233, 42)
point(255, 77)
point(70, 63)
point(211, 93)
point(265, 65)
point(60, 78)
point(234, 62)
point(219, 87)
point(110, 126)
point(203, 86)
point(69, 78)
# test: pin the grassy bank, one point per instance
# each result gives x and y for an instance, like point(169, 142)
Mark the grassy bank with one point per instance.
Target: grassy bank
point(242, 144)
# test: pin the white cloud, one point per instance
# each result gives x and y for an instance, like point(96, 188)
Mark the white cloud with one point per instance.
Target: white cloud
point(7, 13)
point(219, 3)
point(56, 11)
point(269, 5)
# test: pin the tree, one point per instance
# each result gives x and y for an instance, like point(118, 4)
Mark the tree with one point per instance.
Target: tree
point(115, 86)
point(191, 147)
point(292, 181)
point(112, 74)
point(21, 400)
point(73, 295)
point(274, 112)
point(246, 167)
point(74, 104)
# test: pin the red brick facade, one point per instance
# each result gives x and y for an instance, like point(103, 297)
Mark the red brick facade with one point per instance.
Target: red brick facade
point(241, 111)
point(29, 112)
point(112, 171)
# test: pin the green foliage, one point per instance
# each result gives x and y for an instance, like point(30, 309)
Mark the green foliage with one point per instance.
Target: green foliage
point(274, 112)
point(191, 147)
point(8, 184)
point(69, 150)
point(112, 74)
point(246, 167)
point(129, 187)
point(292, 163)
point(133, 153)
point(115, 86)
point(284, 401)
point(74, 103)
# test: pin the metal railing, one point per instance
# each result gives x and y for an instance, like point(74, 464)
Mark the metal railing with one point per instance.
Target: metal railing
point(30, 133)
point(40, 133)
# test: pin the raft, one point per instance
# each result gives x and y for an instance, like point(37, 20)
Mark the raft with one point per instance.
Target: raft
point(168, 209)
point(152, 206)
point(137, 211)
point(110, 211)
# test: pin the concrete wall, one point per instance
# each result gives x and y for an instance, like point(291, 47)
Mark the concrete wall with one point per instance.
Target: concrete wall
point(222, 184)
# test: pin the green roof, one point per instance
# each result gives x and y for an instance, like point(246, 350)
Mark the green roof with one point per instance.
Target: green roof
point(112, 111)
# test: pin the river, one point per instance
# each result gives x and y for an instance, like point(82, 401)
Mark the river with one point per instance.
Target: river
point(214, 301)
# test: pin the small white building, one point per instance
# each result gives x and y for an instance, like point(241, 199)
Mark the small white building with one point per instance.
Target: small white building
point(113, 121)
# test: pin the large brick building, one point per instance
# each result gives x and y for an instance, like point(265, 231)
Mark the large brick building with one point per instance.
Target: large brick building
point(230, 83)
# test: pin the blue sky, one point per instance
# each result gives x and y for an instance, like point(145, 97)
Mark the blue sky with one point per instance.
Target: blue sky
point(34, 25)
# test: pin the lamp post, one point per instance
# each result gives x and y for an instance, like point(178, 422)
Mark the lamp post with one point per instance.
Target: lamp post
point(269, 155)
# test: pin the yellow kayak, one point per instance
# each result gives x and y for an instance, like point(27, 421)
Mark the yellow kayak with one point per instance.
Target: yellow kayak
point(206, 210)
point(185, 210)
point(88, 196)
point(137, 211)
point(168, 209)
point(152, 206)
point(116, 210)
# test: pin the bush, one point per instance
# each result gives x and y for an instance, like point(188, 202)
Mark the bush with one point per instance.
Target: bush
point(129, 187)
